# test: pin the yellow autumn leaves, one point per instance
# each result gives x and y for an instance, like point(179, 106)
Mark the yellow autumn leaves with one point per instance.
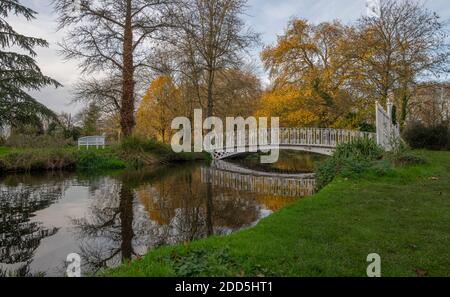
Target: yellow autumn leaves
point(160, 105)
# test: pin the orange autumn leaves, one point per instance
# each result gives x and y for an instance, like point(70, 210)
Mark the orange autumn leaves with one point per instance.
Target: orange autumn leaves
point(159, 106)
point(308, 71)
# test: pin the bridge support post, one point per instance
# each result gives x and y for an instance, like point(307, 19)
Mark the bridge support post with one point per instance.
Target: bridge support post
point(388, 133)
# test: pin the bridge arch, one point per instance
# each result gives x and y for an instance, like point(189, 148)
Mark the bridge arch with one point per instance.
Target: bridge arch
point(314, 140)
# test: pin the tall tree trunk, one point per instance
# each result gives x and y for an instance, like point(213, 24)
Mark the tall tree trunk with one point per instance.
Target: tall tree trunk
point(127, 121)
point(210, 111)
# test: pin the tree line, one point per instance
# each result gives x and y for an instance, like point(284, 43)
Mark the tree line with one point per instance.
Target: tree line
point(145, 62)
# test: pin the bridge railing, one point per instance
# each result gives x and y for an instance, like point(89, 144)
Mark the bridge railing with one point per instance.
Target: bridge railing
point(314, 137)
point(320, 137)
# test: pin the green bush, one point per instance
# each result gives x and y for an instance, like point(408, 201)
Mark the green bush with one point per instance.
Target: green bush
point(350, 160)
point(4, 150)
point(362, 157)
point(37, 141)
point(362, 148)
point(353, 167)
point(419, 136)
point(134, 143)
point(98, 159)
point(31, 160)
point(381, 168)
point(326, 171)
point(401, 155)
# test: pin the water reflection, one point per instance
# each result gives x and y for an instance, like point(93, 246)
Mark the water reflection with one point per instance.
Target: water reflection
point(289, 162)
point(117, 217)
point(20, 236)
point(106, 230)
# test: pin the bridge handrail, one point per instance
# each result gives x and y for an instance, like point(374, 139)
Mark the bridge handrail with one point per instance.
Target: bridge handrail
point(321, 137)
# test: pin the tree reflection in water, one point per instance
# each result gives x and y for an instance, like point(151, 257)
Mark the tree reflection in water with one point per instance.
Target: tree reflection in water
point(20, 236)
point(106, 232)
point(112, 218)
point(127, 219)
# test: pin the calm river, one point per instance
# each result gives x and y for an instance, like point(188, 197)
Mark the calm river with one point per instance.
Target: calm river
point(113, 217)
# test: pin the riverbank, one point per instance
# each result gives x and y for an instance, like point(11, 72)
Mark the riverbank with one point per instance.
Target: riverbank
point(127, 155)
point(403, 216)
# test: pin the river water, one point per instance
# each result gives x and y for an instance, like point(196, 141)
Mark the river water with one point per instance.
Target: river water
point(111, 217)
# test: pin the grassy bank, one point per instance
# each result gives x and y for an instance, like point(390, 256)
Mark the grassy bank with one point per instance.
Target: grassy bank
point(27, 159)
point(126, 155)
point(404, 216)
point(4, 150)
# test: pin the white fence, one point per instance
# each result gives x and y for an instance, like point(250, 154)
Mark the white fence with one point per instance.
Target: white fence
point(97, 141)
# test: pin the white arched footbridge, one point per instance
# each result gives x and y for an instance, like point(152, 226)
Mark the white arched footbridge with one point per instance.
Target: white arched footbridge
point(314, 140)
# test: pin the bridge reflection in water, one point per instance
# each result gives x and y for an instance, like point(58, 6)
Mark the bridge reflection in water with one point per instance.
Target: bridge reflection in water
point(230, 176)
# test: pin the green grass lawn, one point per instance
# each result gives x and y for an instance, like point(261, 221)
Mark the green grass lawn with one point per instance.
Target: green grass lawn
point(404, 217)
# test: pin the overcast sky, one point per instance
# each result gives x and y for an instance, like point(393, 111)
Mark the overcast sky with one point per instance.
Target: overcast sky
point(268, 17)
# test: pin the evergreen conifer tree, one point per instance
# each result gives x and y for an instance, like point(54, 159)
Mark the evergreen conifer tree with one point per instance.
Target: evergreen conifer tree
point(19, 72)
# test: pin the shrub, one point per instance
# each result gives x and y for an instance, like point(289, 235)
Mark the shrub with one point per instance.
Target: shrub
point(25, 161)
point(418, 136)
point(401, 155)
point(134, 143)
point(326, 171)
point(353, 167)
point(37, 141)
point(92, 159)
point(381, 168)
point(361, 157)
point(359, 149)
point(350, 160)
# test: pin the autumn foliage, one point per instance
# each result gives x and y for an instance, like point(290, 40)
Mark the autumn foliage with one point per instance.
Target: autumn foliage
point(160, 105)
point(331, 75)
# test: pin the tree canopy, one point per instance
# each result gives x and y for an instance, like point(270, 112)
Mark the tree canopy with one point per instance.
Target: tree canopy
point(19, 71)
